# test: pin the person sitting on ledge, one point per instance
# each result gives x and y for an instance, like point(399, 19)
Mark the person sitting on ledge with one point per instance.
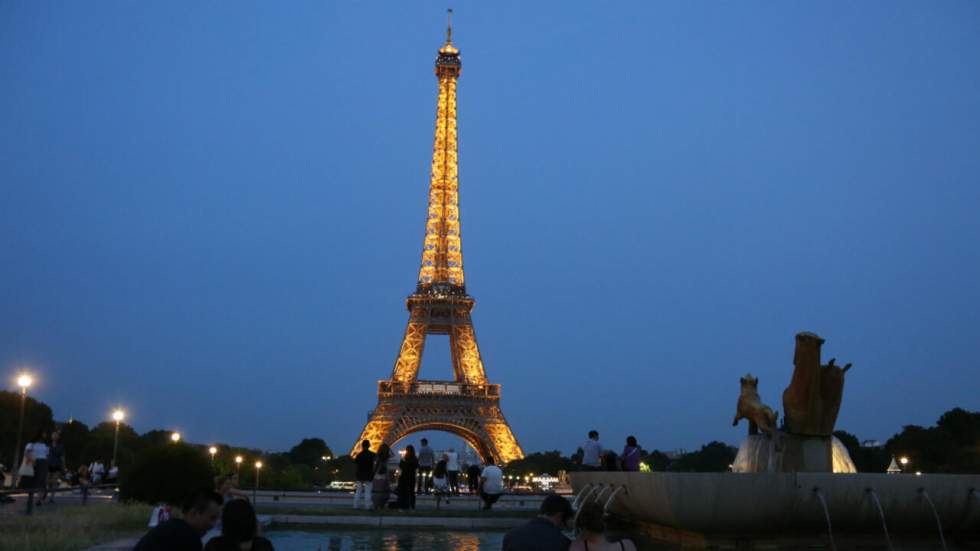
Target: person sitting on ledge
point(591, 528)
point(239, 530)
point(201, 510)
point(491, 484)
point(543, 532)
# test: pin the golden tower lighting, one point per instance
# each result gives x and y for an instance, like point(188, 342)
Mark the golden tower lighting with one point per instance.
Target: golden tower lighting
point(468, 406)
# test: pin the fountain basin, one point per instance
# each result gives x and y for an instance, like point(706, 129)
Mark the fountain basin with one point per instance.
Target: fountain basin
point(771, 503)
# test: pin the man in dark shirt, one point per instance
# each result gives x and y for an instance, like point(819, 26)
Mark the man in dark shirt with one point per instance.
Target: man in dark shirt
point(365, 474)
point(201, 510)
point(543, 532)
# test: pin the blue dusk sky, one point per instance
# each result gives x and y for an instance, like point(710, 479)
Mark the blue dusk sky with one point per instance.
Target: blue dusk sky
point(211, 213)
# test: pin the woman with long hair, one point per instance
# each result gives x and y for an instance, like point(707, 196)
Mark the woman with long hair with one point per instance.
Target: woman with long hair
point(409, 465)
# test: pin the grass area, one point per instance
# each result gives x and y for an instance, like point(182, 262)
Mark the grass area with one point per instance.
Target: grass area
point(442, 513)
point(72, 528)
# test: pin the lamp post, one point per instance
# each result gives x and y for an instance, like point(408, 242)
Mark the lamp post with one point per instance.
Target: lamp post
point(117, 416)
point(904, 460)
point(258, 465)
point(212, 450)
point(23, 382)
point(238, 464)
point(175, 437)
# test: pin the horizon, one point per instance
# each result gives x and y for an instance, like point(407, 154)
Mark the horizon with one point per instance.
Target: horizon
point(213, 214)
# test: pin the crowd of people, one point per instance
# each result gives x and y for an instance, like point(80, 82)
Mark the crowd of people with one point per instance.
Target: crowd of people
point(43, 469)
point(419, 473)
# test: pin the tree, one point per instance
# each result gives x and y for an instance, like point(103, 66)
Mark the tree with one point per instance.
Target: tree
point(37, 417)
point(310, 452)
point(74, 436)
point(166, 474)
point(657, 461)
point(539, 463)
point(712, 457)
point(102, 439)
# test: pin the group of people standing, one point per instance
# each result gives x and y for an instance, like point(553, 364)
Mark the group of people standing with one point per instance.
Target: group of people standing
point(44, 466)
point(595, 458)
point(417, 474)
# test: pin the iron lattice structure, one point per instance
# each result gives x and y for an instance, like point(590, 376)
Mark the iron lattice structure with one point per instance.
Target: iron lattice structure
point(468, 405)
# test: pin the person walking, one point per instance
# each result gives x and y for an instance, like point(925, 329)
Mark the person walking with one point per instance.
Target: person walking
point(592, 452)
point(452, 470)
point(631, 455)
point(38, 450)
point(408, 466)
point(364, 475)
point(56, 464)
point(543, 532)
point(427, 460)
point(591, 527)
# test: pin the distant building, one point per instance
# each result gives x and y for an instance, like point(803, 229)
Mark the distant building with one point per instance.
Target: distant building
point(870, 444)
point(675, 454)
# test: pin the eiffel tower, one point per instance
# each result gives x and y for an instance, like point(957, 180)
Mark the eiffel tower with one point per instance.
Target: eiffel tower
point(467, 406)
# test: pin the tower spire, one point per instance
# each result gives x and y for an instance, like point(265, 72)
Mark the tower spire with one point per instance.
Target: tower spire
point(442, 251)
point(449, 26)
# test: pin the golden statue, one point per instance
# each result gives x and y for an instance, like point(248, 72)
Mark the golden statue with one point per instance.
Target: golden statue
point(750, 406)
point(811, 402)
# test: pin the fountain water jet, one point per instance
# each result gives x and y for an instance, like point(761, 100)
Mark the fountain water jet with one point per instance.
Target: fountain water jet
point(935, 513)
point(881, 513)
point(826, 514)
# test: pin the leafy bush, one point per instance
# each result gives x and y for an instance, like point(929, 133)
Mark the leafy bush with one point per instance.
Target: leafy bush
point(166, 474)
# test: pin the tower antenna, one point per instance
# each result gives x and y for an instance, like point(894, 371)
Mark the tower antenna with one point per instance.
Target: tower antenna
point(449, 26)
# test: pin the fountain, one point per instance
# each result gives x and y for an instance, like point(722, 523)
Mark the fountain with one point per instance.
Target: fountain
point(792, 482)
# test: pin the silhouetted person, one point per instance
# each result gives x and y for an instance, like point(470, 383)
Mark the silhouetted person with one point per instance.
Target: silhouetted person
point(631, 455)
point(365, 472)
point(201, 510)
point(406, 480)
point(591, 527)
point(543, 532)
point(491, 484)
point(427, 459)
point(239, 530)
point(592, 452)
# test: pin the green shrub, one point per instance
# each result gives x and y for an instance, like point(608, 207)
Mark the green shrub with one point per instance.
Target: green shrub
point(166, 474)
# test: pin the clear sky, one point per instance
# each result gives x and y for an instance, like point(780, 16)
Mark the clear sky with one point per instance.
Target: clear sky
point(211, 213)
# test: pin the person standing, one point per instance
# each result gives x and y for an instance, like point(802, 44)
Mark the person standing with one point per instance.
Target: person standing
point(491, 484)
point(381, 488)
point(96, 471)
point(592, 452)
point(631, 455)
point(452, 470)
point(408, 466)
point(543, 532)
point(473, 477)
point(365, 473)
point(427, 459)
point(38, 449)
point(56, 464)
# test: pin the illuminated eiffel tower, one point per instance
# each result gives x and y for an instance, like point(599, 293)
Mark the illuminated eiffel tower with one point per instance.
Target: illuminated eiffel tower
point(468, 405)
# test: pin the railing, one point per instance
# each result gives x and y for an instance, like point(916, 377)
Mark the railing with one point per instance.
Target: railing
point(30, 492)
point(438, 388)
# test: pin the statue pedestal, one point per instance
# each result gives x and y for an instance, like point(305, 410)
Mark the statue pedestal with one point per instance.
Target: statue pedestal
point(792, 453)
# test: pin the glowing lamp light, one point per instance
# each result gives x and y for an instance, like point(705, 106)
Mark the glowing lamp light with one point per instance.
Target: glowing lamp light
point(258, 465)
point(918, 473)
point(175, 437)
point(903, 460)
point(239, 459)
point(24, 381)
point(118, 415)
point(212, 450)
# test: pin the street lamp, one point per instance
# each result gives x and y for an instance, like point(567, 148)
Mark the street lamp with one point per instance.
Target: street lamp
point(238, 464)
point(212, 450)
point(175, 437)
point(904, 460)
point(258, 465)
point(23, 381)
point(118, 415)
